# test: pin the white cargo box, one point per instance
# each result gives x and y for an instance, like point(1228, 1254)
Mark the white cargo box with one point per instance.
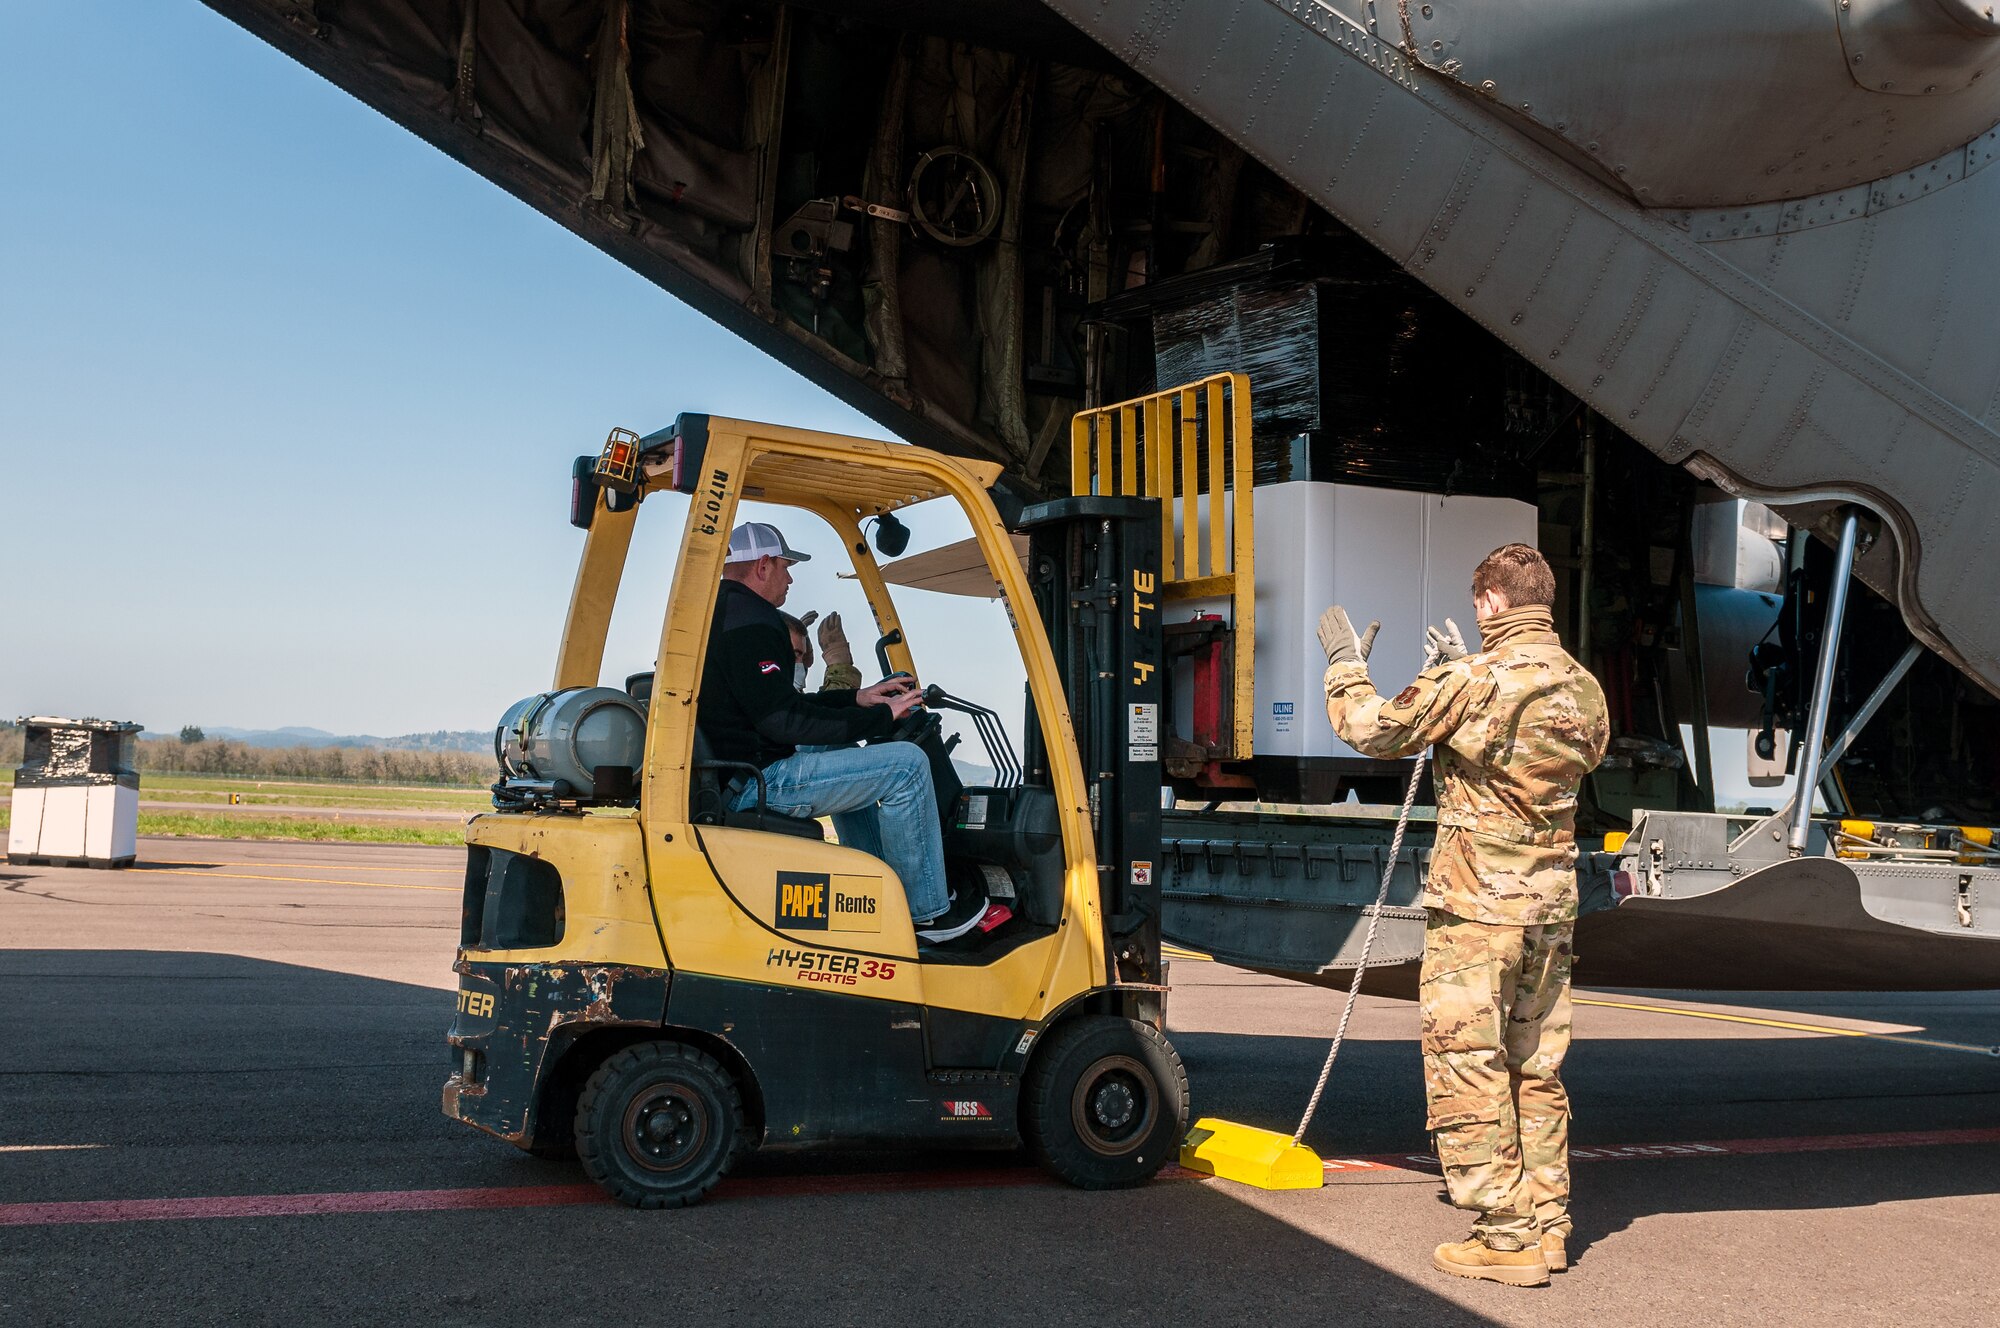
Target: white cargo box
point(1402, 557)
point(97, 824)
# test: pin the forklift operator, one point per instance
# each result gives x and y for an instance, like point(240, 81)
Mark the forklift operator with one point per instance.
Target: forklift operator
point(750, 711)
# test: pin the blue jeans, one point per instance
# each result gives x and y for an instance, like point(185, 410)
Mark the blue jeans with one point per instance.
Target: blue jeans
point(882, 803)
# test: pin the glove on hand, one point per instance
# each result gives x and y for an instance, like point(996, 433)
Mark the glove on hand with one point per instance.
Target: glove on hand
point(833, 647)
point(1447, 644)
point(1336, 637)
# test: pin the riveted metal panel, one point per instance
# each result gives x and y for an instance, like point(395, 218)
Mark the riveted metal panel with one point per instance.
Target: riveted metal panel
point(1896, 190)
point(1825, 209)
point(1774, 414)
point(1736, 223)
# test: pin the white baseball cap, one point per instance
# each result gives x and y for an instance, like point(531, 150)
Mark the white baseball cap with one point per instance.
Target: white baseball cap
point(756, 539)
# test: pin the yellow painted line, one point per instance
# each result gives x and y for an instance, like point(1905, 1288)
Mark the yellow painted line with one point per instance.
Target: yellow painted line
point(1730, 1018)
point(1824, 1030)
point(314, 866)
point(1177, 952)
point(290, 880)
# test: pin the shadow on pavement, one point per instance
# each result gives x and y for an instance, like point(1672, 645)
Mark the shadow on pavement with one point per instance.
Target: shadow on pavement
point(1685, 1089)
point(208, 1075)
point(205, 1074)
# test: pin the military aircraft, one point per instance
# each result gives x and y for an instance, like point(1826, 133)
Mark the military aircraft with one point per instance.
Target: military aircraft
point(1631, 263)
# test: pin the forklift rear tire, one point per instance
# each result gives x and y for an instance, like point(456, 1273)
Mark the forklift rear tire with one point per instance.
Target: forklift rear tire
point(659, 1124)
point(1106, 1103)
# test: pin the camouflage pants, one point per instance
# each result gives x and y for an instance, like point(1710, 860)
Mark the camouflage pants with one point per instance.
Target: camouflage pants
point(1496, 1019)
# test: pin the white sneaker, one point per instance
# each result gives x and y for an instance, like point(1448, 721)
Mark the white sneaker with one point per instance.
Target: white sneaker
point(962, 916)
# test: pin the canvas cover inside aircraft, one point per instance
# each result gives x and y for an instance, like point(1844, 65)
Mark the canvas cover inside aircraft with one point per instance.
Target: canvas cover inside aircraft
point(1751, 238)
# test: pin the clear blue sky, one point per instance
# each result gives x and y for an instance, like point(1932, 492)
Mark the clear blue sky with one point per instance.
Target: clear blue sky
point(288, 399)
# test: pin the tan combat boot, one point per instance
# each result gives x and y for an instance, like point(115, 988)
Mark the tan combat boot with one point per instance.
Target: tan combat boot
point(1555, 1250)
point(1475, 1258)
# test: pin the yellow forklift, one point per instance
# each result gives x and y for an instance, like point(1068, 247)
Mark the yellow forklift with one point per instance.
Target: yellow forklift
point(660, 983)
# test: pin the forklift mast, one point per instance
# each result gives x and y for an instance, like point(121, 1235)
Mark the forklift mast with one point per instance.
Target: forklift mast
point(1094, 565)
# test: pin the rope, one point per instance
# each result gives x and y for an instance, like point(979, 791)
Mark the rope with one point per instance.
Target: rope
point(1368, 941)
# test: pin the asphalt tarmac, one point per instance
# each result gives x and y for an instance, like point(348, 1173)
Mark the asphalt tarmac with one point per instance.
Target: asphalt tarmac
point(219, 1080)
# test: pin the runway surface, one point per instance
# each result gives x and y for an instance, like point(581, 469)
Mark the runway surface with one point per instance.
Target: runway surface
point(218, 1103)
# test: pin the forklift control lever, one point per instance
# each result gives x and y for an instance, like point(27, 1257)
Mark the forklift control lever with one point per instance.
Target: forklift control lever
point(992, 733)
point(882, 644)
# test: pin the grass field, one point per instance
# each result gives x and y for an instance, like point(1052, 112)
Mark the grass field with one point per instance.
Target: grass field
point(290, 793)
point(197, 825)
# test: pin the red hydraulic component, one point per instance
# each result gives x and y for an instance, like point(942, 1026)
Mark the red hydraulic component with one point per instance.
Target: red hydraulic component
point(1211, 697)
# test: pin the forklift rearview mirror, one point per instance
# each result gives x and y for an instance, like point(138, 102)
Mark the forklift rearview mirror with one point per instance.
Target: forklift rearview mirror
point(582, 491)
point(891, 536)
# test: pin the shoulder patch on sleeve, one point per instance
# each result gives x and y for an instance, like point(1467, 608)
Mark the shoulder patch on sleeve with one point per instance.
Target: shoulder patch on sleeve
point(1406, 697)
point(768, 666)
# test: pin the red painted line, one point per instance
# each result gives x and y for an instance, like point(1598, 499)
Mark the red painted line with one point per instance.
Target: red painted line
point(764, 1187)
point(506, 1196)
point(292, 1205)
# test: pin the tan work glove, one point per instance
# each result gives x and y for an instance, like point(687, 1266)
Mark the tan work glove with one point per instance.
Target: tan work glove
point(1337, 638)
point(833, 647)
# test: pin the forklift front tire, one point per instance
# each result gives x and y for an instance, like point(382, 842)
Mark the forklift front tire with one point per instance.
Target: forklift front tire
point(659, 1124)
point(1106, 1103)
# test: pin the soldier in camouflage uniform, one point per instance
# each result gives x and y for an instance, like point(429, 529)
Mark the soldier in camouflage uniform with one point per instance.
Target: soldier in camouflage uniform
point(841, 675)
point(1516, 727)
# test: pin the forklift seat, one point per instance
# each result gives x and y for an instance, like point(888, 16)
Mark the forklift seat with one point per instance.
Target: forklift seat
point(708, 800)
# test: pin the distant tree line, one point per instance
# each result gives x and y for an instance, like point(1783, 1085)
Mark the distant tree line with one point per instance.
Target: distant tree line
point(220, 756)
point(190, 753)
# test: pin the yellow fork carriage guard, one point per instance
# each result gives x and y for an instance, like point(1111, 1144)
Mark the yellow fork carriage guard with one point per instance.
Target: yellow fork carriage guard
point(661, 984)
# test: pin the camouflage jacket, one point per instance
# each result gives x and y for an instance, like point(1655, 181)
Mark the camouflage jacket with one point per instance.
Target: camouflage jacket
point(1517, 726)
point(841, 678)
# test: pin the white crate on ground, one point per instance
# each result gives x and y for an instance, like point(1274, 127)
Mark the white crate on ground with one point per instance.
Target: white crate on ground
point(76, 793)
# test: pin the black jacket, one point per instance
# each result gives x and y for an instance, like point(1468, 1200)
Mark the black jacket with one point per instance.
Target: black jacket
point(748, 709)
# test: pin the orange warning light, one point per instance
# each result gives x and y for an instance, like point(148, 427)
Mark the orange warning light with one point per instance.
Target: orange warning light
point(618, 465)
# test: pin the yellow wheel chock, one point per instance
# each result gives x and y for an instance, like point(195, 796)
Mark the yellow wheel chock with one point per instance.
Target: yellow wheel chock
point(1244, 1153)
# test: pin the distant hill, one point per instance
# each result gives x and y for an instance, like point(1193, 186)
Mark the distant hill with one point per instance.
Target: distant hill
point(439, 740)
point(977, 776)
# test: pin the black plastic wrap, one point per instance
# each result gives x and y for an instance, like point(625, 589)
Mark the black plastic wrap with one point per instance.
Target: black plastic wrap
point(1357, 374)
point(1266, 330)
point(63, 753)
